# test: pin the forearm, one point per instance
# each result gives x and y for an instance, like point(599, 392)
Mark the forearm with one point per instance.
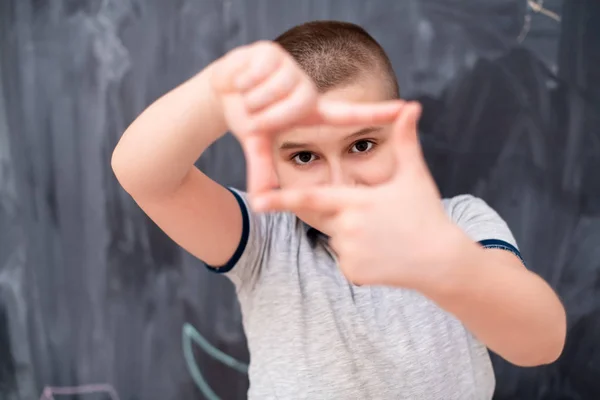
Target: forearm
point(159, 148)
point(512, 311)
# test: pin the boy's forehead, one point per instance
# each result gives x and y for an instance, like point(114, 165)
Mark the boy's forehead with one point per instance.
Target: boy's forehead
point(367, 88)
point(313, 134)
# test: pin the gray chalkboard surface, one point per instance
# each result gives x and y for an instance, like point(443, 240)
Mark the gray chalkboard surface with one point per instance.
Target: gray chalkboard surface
point(94, 298)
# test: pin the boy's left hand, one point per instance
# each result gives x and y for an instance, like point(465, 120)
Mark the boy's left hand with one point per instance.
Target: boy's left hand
point(397, 233)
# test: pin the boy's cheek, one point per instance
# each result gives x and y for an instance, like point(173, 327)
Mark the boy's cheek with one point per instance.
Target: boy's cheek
point(290, 176)
point(377, 170)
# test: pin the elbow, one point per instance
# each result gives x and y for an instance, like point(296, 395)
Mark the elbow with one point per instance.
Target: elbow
point(118, 168)
point(555, 349)
point(119, 157)
point(543, 350)
point(116, 162)
point(120, 163)
point(543, 356)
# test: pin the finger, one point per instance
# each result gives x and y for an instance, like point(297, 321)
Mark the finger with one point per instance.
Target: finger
point(276, 87)
point(406, 134)
point(345, 113)
point(324, 200)
point(266, 59)
point(259, 159)
point(298, 105)
point(225, 70)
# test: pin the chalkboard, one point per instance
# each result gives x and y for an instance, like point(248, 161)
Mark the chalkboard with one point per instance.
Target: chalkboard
point(96, 300)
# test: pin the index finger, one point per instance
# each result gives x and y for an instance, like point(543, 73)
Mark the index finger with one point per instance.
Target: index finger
point(346, 113)
point(228, 67)
point(327, 200)
point(259, 159)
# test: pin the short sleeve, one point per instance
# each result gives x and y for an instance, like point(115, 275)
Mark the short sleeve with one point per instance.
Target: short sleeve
point(244, 267)
point(481, 223)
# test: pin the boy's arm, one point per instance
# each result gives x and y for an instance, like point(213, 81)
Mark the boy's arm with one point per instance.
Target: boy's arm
point(510, 309)
point(513, 311)
point(154, 162)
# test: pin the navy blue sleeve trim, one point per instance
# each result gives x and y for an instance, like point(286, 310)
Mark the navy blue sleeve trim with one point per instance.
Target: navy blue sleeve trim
point(501, 244)
point(243, 240)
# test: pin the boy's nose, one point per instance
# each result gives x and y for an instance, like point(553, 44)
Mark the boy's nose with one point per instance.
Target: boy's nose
point(338, 176)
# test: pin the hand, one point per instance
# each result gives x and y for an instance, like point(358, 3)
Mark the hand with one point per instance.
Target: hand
point(397, 233)
point(264, 92)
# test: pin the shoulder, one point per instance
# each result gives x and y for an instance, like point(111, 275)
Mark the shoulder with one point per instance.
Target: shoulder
point(467, 208)
point(481, 222)
point(262, 235)
point(283, 223)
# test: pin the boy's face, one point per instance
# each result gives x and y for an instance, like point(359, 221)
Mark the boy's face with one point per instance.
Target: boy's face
point(361, 155)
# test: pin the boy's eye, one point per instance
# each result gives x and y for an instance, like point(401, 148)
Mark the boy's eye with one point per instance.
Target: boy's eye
point(303, 158)
point(361, 146)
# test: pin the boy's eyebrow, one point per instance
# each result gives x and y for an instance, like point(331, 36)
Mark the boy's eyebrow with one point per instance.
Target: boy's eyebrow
point(362, 132)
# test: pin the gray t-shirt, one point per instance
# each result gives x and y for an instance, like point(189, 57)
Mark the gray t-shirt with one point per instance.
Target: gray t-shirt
point(314, 335)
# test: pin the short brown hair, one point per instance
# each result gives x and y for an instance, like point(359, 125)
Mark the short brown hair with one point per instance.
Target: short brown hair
point(333, 53)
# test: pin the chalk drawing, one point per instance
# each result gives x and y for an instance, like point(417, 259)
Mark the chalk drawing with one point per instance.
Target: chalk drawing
point(50, 392)
point(537, 6)
point(190, 334)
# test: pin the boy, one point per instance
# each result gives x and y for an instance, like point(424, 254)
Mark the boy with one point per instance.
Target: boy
point(361, 282)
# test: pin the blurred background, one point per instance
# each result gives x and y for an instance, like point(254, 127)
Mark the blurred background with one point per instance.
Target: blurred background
point(93, 293)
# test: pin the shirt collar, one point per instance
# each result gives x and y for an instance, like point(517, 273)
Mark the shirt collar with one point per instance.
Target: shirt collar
point(313, 234)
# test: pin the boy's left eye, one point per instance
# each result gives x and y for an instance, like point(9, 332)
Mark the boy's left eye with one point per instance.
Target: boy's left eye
point(362, 146)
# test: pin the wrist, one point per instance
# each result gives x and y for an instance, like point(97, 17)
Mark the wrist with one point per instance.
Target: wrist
point(450, 265)
point(210, 103)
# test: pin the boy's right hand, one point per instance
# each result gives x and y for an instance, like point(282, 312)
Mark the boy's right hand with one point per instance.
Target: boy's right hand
point(263, 91)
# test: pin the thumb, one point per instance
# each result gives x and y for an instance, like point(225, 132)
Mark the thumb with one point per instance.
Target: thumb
point(341, 113)
point(259, 159)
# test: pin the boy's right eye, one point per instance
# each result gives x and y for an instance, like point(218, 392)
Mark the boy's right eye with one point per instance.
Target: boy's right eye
point(303, 158)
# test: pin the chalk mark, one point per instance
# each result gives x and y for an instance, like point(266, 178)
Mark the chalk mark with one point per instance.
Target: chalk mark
point(190, 334)
point(537, 6)
point(49, 392)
